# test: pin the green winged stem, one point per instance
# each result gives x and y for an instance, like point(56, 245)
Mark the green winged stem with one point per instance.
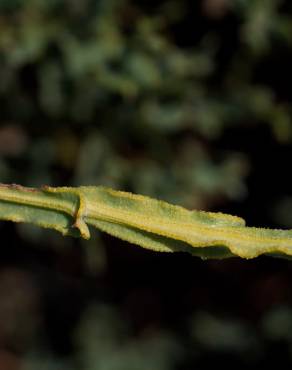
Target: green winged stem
point(141, 220)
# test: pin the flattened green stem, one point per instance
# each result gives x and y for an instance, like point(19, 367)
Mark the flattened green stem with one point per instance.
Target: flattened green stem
point(33, 197)
point(79, 212)
point(22, 204)
point(140, 220)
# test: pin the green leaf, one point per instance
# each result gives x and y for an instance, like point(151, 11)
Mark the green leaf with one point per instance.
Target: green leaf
point(144, 221)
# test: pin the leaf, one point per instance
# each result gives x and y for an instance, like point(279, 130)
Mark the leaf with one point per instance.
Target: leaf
point(141, 220)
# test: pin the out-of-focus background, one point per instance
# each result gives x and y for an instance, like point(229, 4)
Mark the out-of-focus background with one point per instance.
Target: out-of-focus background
point(183, 100)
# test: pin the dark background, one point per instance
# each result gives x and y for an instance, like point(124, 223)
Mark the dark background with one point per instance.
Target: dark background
point(186, 101)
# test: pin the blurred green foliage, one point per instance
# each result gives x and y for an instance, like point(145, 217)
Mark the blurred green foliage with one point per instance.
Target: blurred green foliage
point(139, 95)
point(106, 80)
